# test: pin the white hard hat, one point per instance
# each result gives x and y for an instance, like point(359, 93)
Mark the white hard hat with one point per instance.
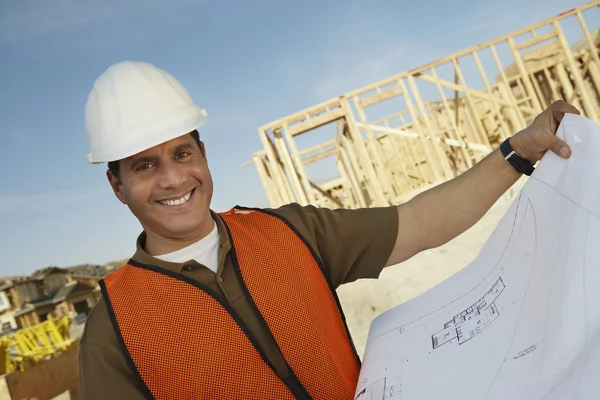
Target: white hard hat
point(134, 106)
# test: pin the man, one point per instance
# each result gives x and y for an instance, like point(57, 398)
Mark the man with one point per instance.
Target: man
point(242, 304)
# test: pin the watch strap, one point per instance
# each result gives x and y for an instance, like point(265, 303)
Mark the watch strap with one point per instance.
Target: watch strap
point(519, 163)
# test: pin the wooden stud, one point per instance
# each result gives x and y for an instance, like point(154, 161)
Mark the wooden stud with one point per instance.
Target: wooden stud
point(494, 103)
point(308, 194)
point(452, 118)
point(378, 191)
point(444, 167)
point(529, 92)
point(276, 167)
point(552, 85)
point(425, 145)
point(272, 196)
point(593, 52)
point(567, 88)
point(379, 160)
point(297, 189)
point(515, 107)
point(475, 120)
point(538, 90)
point(588, 106)
point(353, 168)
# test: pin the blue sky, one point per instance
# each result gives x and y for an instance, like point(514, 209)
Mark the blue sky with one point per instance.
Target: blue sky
point(247, 62)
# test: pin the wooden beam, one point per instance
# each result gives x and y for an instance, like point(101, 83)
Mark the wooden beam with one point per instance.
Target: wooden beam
point(529, 91)
point(440, 158)
point(325, 194)
point(450, 116)
point(353, 170)
point(593, 51)
point(320, 156)
point(379, 158)
point(284, 152)
point(415, 135)
point(514, 110)
point(474, 93)
point(588, 105)
point(379, 97)
point(324, 107)
point(535, 40)
point(263, 173)
point(318, 148)
point(465, 52)
point(316, 122)
point(377, 194)
point(275, 167)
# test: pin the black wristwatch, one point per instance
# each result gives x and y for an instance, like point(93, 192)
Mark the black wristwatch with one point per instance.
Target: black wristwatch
point(519, 163)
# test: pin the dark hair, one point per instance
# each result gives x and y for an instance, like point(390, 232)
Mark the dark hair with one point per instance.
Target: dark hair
point(114, 167)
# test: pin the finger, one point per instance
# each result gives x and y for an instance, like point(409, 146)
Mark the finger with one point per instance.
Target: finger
point(558, 147)
point(561, 108)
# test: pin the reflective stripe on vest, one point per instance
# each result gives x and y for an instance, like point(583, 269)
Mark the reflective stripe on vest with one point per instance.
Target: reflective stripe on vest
point(183, 341)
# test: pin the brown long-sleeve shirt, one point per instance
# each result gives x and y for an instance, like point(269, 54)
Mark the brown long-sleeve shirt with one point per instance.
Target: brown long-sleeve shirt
point(352, 244)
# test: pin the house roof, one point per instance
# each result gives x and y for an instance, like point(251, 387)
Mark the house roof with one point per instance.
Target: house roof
point(44, 272)
point(66, 290)
point(24, 310)
point(91, 271)
point(58, 296)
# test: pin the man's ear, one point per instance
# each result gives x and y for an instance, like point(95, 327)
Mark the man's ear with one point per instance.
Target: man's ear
point(115, 184)
point(203, 150)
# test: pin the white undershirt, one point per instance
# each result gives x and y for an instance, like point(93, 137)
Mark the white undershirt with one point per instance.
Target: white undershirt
point(204, 251)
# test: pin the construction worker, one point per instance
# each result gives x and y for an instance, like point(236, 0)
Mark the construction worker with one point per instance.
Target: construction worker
point(242, 304)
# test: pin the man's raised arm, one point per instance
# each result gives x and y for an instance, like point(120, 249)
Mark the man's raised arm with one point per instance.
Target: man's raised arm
point(438, 215)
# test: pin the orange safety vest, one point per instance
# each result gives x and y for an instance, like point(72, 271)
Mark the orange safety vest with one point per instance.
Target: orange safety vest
point(183, 341)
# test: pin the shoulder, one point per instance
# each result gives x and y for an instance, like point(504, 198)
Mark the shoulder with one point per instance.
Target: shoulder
point(351, 243)
point(317, 221)
point(104, 372)
point(98, 330)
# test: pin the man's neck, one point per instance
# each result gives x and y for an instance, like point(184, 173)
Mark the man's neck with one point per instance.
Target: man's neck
point(158, 245)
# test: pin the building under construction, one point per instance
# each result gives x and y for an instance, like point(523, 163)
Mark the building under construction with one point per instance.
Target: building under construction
point(385, 142)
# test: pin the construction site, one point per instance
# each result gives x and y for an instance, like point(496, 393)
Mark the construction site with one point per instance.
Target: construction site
point(378, 145)
point(386, 142)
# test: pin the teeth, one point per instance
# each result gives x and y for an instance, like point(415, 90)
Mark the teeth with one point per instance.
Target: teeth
point(177, 202)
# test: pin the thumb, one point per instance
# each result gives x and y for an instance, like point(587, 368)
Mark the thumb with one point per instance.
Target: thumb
point(559, 147)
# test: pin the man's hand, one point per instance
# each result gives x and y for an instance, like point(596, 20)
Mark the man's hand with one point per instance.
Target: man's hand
point(533, 142)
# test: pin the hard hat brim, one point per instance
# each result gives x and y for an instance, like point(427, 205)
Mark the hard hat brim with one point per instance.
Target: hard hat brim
point(151, 138)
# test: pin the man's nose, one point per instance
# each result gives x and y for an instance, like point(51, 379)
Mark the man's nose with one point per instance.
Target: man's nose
point(170, 175)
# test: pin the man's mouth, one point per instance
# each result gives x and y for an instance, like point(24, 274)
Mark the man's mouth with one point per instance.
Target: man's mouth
point(177, 202)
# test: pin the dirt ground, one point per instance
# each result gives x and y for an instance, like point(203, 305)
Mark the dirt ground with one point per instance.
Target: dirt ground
point(365, 299)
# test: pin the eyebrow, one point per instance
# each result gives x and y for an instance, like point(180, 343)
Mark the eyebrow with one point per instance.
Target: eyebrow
point(137, 161)
point(186, 146)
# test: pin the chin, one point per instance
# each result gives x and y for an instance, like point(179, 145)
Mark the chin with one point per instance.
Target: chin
point(188, 229)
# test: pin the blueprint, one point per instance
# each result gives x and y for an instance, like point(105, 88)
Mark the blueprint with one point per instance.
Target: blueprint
point(520, 322)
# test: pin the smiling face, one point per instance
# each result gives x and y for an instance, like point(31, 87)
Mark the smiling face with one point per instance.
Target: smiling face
point(168, 188)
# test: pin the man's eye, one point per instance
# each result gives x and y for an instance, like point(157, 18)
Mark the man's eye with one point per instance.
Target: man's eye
point(182, 154)
point(143, 167)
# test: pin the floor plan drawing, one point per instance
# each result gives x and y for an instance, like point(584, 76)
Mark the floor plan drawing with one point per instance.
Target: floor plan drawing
point(522, 320)
point(383, 389)
point(471, 321)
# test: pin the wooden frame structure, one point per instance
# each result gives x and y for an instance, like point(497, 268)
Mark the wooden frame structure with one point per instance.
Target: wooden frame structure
point(434, 126)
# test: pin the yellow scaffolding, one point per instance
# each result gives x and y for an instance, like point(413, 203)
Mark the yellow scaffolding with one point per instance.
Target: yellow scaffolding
point(32, 345)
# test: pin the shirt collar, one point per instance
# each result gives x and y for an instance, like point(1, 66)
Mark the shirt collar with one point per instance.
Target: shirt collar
point(141, 256)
